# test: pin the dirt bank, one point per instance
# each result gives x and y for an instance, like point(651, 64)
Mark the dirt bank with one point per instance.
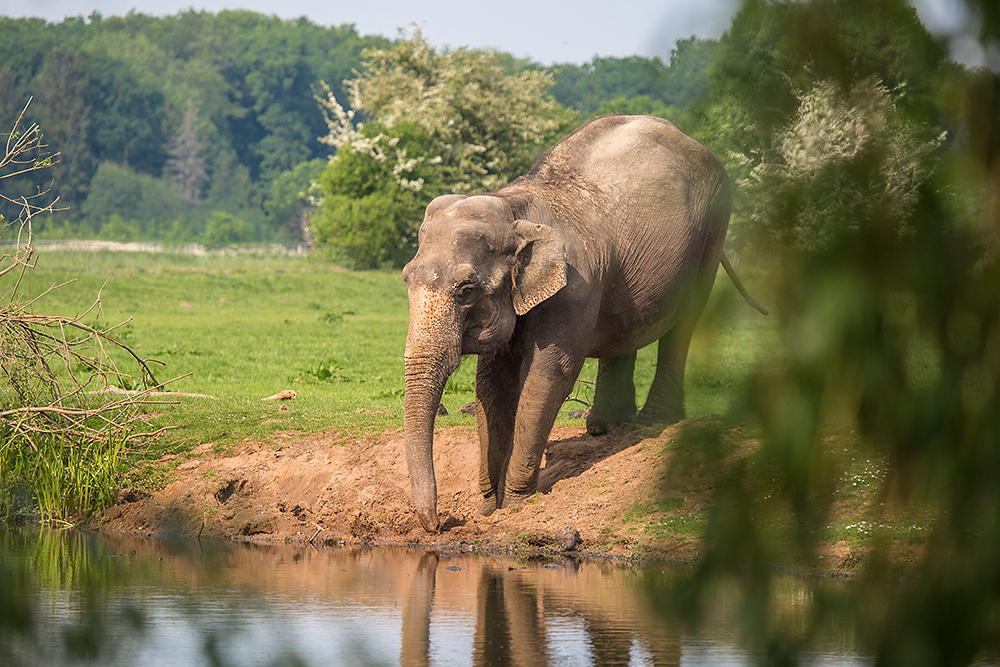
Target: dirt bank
point(323, 489)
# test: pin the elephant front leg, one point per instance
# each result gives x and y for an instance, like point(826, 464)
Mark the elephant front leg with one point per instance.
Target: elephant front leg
point(497, 391)
point(548, 381)
point(614, 394)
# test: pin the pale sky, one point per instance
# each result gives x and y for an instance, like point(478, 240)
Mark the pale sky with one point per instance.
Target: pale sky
point(545, 31)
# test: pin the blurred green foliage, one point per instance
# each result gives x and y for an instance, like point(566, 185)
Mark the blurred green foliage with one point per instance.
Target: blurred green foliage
point(880, 233)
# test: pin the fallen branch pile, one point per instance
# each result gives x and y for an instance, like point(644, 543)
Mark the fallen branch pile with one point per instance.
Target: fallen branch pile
point(53, 368)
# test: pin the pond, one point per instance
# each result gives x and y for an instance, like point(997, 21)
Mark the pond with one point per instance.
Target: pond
point(69, 597)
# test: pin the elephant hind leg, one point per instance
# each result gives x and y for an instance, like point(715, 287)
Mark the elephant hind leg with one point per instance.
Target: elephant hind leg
point(614, 394)
point(665, 403)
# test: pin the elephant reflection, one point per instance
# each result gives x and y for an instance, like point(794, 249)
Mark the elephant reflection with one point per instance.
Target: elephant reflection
point(417, 613)
point(521, 619)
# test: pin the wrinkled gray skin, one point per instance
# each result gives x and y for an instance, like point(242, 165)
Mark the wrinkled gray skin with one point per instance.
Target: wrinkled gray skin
point(611, 242)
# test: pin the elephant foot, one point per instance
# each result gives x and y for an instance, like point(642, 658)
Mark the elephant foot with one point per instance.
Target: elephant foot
point(514, 499)
point(601, 424)
point(649, 417)
point(487, 506)
point(429, 520)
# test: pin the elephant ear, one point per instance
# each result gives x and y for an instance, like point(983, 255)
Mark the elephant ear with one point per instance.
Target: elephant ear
point(540, 268)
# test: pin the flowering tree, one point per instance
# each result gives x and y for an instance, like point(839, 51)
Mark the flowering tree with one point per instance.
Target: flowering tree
point(847, 161)
point(422, 123)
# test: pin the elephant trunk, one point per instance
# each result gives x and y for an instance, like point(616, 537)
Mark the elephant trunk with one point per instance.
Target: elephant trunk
point(433, 352)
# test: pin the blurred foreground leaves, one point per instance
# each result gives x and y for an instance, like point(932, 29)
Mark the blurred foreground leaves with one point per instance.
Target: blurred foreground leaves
point(870, 173)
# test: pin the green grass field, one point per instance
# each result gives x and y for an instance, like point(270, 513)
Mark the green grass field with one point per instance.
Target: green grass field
point(241, 328)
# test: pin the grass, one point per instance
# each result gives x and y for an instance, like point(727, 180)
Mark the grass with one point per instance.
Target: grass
point(67, 479)
point(240, 328)
point(243, 328)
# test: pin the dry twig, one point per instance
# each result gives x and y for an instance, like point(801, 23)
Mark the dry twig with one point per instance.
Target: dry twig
point(49, 364)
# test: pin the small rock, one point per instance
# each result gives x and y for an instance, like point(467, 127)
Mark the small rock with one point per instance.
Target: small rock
point(283, 395)
point(130, 496)
point(577, 414)
point(468, 409)
point(568, 538)
point(443, 411)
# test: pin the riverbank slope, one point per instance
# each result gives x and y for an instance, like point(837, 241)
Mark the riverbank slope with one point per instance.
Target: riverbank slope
point(632, 494)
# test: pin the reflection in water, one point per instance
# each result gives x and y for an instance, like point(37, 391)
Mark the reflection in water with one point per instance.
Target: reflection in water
point(121, 600)
point(524, 619)
point(417, 613)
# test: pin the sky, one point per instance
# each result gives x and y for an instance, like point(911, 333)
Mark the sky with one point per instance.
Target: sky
point(546, 31)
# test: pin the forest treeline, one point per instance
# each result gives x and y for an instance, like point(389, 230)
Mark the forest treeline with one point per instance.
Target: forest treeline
point(220, 128)
point(205, 127)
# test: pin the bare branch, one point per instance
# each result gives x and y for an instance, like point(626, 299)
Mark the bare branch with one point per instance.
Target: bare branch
point(50, 364)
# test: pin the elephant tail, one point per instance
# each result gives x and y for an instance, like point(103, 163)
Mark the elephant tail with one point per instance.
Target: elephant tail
point(739, 285)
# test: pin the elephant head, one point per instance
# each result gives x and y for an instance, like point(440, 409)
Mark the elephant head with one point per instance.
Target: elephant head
point(477, 269)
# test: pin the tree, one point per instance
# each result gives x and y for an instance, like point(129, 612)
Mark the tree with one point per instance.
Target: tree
point(777, 48)
point(687, 72)
point(888, 309)
point(641, 105)
point(225, 229)
point(369, 213)
point(61, 95)
point(288, 199)
point(675, 84)
point(847, 162)
point(10, 94)
point(127, 113)
point(132, 196)
point(247, 76)
point(860, 62)
point(232, 189)
point(484, 125)
point(185, 164)
point(432, 121)
point(584, 87)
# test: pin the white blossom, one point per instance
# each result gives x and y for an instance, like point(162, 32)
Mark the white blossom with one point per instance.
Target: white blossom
point(847, 159)
point(481, 122)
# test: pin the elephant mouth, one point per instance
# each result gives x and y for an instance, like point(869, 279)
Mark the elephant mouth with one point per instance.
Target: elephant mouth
point(473, 340)
point(474, 331)
point(484, 334)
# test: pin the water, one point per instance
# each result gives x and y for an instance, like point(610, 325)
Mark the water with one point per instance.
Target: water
point(124, 600)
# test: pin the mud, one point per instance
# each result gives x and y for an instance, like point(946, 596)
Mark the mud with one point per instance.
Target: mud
point(325, 489)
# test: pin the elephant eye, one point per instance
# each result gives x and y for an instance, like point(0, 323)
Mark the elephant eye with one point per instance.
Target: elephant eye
point(466, 292)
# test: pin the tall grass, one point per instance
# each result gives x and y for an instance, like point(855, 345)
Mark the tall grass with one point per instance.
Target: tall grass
point(61, 435)
point(60, 480)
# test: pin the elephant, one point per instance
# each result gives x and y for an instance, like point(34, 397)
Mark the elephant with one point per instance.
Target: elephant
point(610, 242)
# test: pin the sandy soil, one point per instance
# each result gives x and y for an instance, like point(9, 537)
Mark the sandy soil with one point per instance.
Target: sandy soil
point(321, 488)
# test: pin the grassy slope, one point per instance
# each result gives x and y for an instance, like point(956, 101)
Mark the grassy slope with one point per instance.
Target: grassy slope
point(245, 328)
